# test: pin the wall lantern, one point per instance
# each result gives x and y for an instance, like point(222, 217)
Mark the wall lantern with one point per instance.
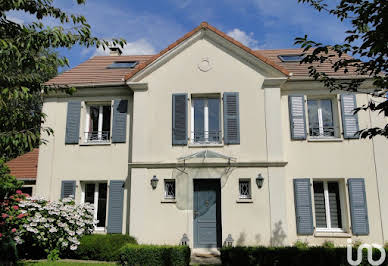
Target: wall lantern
point(229, 241)
point(154, 182)
point(184, 240)
point(259, 180)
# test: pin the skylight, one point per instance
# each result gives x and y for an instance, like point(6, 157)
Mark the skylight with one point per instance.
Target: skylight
point(123, 64)
point(291, 57)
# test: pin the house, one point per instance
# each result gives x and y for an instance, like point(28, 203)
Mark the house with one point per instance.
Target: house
point(24, 168)
point(209, 141)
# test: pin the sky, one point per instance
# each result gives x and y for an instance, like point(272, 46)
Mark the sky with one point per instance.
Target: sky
point(150, 26)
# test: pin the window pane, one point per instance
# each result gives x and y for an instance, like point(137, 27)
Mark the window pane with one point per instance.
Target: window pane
point(334, 204)
point(327, 117)
point(101, 208)
point(94, 112)
point(27, 190)
point(169, 187)
point(89, 193)
point(319, 203)
point(245, 189)
point(214, 119)
point(106, 118)
point(312, 106)
point(199, 105)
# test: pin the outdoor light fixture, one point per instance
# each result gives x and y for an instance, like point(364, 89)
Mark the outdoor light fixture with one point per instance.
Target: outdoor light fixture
point(259, 180)
point(154, 182)
point(184, 240)
point(229, 241)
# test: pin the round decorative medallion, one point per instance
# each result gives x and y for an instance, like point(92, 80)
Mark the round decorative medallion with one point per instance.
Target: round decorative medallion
point(205, 65)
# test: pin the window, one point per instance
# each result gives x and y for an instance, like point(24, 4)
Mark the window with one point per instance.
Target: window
point(291, 57)
point(327, 205)
point(245, 188)
point(96, 194)
point(321, 120)
point(205, 120)
point(27, 190)
point(123, 64)
point(98, 120)
point(169, 189)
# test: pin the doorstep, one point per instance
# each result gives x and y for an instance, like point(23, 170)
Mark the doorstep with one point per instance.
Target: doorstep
point(204, 256)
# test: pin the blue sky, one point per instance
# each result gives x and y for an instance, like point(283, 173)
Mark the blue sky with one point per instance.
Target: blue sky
point(149, 26)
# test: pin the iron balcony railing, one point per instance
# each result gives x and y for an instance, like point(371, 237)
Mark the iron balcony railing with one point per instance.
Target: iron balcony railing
point(322, 132)
point(211, 136)
point(97, 136)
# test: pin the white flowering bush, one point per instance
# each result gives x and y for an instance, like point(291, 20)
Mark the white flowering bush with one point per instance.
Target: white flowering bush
point(52, 226)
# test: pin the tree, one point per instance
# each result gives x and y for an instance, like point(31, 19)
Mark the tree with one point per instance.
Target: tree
point(366, 42)
point(27, 60)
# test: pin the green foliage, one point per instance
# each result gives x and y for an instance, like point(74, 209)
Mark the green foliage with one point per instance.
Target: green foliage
point(328, 244)
point(149, 255)
point(102, 247)
point(8, 250)
point(367, 39)
point(8, 183)
point(301, 244)
point(27, 60)
point(53, 255)
point(289, 256)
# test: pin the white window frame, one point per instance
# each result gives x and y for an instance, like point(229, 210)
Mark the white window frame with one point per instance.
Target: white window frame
point(100, 121)
point(166, 196)
point(206, 119)
point(328, 227)
point(334, 112)
point(95, 204)
point(249, 196)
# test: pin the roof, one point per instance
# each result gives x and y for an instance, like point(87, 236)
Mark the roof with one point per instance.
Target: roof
point(301, 70)
point(95, 72)
point(205, 25)
point(25, 166)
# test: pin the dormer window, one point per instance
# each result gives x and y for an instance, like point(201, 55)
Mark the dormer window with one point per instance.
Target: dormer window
point(291, 57)
point(123, 64)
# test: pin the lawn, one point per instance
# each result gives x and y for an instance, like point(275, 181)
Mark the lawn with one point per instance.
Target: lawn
point(62, 263)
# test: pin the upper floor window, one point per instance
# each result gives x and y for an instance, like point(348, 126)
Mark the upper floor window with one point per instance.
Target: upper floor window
point(291, 57)
point(98, 123)
point(123, 64)
point(321, 119)
point(206, 120)
point(327, 205)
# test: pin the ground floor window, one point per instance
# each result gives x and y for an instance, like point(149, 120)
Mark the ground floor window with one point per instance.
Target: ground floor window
point(327, 203)
point(96, 194)
point(27, 190)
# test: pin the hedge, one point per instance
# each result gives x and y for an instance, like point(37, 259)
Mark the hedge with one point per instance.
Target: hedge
point(102, 247)
point(290, 256)
point(150, 255)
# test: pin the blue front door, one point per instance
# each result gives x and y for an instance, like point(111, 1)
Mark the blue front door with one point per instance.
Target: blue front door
point(207, 213)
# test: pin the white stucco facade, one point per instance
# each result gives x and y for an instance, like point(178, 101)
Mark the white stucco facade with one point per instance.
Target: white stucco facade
point(265, 147)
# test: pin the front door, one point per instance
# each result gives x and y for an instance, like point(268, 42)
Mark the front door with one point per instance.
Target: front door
point(207, 213)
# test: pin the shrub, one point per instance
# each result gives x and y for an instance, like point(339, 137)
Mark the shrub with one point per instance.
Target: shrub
point(102, 247)
point(328, 244)
point(149, 255)
point(40, 227)
point(289, 256)
point(301, 244)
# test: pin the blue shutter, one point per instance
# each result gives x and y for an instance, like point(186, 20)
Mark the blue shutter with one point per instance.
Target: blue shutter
point(68, 189)
point(297, 117)
point(231, 118)
point(179, 119)
point(72, 122)
point(115, 211)
point(358, 207)
point(303, 207)
point(119, 126)
point(349, 120)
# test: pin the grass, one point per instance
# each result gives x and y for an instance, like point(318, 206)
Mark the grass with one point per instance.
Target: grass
point(63, 263)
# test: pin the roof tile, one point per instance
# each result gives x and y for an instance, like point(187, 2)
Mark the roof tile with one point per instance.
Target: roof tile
point(25, 166)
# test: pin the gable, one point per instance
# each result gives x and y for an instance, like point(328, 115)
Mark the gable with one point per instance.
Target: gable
point(205, 32)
